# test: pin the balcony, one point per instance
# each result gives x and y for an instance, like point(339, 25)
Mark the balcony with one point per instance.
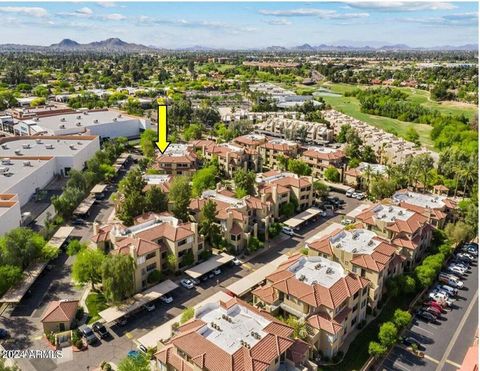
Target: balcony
point(297, 313)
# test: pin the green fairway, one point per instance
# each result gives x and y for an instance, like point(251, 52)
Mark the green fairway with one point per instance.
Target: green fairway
point(350, 106)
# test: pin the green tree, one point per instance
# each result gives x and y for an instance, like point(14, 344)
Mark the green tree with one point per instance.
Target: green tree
point(368, 155)
point(331, 174)
point(179, 196)
point(136, 363)
point(299, 167)
point(388, 334)
point(208, 223)
point(381, 188)
point(246, 180)
point(204, 179)
point(425, 275)
point(282, 162)
point(172, 262)
point(301, 329)
point(155, 200)
point(459, 232)
point(9, 276)
point(376, 350)
point(192, 131)
point(118, 275)
point(321, 189)
point(401, 318)
point(187, 315)
point(87, 267)
point(207, 116)
point(147, 140)
point(412, 136)
point(20, 247)
point(74, 247)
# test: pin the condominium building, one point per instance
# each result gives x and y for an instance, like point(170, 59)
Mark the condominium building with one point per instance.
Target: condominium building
point(321, 158)
point(304, 131)
point(232, 336)
point(232, 157)
point(149, 242)
point(388, 148)
point(362, 252)
point(275, 148)
point(438, 209)
point(409, 231)
point(320, 292)
point(358, 177)
point(283, 98)
point(178, 159)
point(281, 188)
point(238, 218)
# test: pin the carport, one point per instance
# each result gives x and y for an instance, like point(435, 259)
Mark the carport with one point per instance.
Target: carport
point(300, 219)
point(61, 236)
point(84, 207)
point(137, 301)
point(98, 188)
point(214, 262)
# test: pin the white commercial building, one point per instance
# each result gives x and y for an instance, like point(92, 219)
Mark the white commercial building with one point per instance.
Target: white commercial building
point(28, 164)
point(103, 123)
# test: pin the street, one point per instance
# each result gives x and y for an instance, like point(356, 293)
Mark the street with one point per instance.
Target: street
point(442, 352)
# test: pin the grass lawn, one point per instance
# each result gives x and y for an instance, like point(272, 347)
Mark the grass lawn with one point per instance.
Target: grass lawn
point(95, 303)
point(350, 106)
point(357, 353)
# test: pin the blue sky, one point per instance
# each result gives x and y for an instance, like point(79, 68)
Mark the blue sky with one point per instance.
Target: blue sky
point(242, 24)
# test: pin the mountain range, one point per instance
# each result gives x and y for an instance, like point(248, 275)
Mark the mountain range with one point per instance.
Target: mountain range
point(120, 46)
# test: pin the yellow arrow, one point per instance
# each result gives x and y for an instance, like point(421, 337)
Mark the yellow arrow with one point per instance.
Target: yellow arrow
point(162, 142)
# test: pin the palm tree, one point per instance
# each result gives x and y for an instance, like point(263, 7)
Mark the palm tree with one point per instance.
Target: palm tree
point(367, 174)
point(469, 172)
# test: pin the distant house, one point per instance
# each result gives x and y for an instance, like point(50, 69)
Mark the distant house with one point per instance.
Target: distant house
point(59, 315)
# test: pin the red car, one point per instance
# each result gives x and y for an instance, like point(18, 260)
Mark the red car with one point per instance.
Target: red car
point(434, 304)
point(436, 312)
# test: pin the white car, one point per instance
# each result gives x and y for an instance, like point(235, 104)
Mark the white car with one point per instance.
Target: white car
point(188, 284)
point(346, 221)
point(465, 255)
point(440, 298)
point(359, 195)
point(350, 192)
point(166, 299)
point(451, 291)
point(236, 262)
point(149, 307)
point(287, 230)
point(457, 269)
point(217, 271)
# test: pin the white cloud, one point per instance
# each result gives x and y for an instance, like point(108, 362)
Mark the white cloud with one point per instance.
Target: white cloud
point(320, 13)
point(107, 4)
point(25, 10)
point(401, 6)
point(84, 11)
point(115, 17)
point(279, 22)
point(460, 19)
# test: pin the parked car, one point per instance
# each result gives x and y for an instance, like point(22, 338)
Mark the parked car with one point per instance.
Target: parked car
point(188, 284)
point(3, 333)
point(350, 192)
point(122, 321)
point(432, 310)
point(78, 221)
point(288, 231)
point(442, 298)
point(411, 341)
point(166, 299)
point(451, 291)
point(465, 256)
point(133, 354)
point(346, 221)
point(100, 329)
point(451, 281)
point(358, 195)
point(434, 304)
point(429, 317)
point(471, 248)
point(149, 307)
point(217, 271)
point(88, 334)
point(460, 263)
point(455, 269)
point(236, 262)
point(438, 289)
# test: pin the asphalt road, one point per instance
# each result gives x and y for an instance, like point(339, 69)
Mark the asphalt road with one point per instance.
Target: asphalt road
point(445, 342)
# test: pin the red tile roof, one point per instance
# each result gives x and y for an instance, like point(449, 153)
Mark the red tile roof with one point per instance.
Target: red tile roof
point(60, 311)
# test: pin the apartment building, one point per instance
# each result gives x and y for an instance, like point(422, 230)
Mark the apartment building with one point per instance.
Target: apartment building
point(283, 98)
point(232, 157)
point(388, 148)
point(319, 292)
point(232, 336)
point(238, 218)
point(407, 230)
point(280, 188)
point(149, 242)
point(321, 158)
point(438, 209)
point(244, 114)
point(304, 131)
point(362, 252)
point(357, 177)
point(178, 159)
point(275, 148)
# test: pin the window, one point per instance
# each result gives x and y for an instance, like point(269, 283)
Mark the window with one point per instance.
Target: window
point(164, 255)
point(151, 267)
point(364, 290)
point(151, 255)
point(353, 321)
point(182, 242)
point(356, 295)
point(355, 308)
point(364, 303)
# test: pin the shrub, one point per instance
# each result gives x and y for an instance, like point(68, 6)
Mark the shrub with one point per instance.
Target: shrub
point(79, 344)
point(80, 313)
point(187, 315)
point(50, 337)
point(154, 276)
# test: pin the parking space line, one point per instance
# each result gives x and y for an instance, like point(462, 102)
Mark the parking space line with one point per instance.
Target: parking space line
point(453, 363)
point(425, 330)
point(128, 335)
point(431, 359)
point(400, 366)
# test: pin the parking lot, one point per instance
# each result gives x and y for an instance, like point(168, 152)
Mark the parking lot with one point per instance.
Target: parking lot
point(445, 342)
point(116, 347)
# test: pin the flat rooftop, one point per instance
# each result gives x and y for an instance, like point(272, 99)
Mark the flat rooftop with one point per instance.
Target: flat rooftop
point(85, 118)
point(375, 168)
point(222, 198)
point(390, 213)
point(43, 147)
point(263, 179)
point(420, 199)
point(230, 328)
point(14, 171)
point(155, 179)
point(176, 150)
point(134, 229)
point(315, 269)
point(322, 149)
point(282, 141)
point(357, 241)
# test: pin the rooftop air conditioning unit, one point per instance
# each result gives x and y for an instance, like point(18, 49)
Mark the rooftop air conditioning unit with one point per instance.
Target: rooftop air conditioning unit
point(61, 126)
point(114, 119)
point(79, 124)
point(95, 121)
point(72, 147)
point(4, 170)
point(26, 146)
point(63, 119)
point(18, 152)
point(80, 143)
point(49, 146)
point(330, 270)
point(39, 141)
point(79, 117)
point(120, 116)
point(4, 146)
point(27, 163)
point(6, 161)
point(35, 119)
